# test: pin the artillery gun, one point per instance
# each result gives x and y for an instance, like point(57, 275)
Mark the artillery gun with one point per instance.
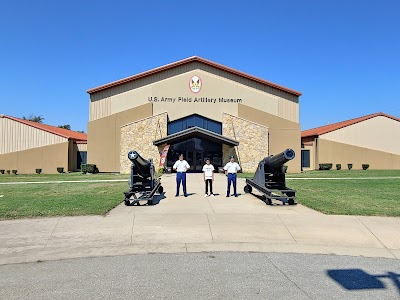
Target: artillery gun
point(269, 179)
point(143, 183)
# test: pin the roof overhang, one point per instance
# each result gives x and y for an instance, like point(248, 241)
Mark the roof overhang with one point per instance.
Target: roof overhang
point(195, 132)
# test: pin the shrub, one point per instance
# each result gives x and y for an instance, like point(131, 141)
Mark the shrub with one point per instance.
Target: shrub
point(365, 166)
point(2, 171)
point(91, 168)
point(161, 170)
point(338, 166)
point(325, 166)
point(84, 168)
point(8, 171)
point(349, 166)
point(14, 172)
point(60, 170)
point(285, 169)
point(38, 171)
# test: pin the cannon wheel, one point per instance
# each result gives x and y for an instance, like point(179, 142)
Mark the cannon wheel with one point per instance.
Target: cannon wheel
point(266, 200)
point(160, 189)
point(127, 202)
point(291, 202)
point(150, 202)
point(247, 188)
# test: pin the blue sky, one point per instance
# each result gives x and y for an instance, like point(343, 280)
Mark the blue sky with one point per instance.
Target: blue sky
point(344, 56)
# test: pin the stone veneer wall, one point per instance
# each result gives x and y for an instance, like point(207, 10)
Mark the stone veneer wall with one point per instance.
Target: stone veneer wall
point(252, 138)
point(139, 136)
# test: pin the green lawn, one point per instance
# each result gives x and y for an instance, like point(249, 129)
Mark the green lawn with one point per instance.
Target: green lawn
point(59, 177)
point(357, 196)
point(59, 199)
point(369, 197)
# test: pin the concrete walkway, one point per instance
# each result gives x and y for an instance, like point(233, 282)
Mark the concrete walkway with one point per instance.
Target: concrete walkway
point(197, 224)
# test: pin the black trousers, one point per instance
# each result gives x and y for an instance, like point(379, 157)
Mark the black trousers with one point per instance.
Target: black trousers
point(209, 181)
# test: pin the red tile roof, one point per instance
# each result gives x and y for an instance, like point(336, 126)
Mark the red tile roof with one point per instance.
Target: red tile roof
point(331, 127)
point(186, 61)
point(69, 134)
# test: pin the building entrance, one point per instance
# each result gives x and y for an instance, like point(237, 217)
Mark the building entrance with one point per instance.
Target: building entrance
point(195, 151)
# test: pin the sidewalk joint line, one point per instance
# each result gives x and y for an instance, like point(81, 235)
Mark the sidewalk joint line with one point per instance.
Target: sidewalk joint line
point(394, 256)
point(133, 224)
point(287, 228)
point(209, 226)
point(51, 233)
point(287, 277)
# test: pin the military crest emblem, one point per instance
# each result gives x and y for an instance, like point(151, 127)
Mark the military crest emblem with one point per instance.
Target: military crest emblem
point(195, 84)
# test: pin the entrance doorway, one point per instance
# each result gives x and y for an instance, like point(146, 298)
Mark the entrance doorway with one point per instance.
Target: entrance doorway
point(195, 151)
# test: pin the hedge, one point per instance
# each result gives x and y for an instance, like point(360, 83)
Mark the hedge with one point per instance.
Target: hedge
point(325, 166)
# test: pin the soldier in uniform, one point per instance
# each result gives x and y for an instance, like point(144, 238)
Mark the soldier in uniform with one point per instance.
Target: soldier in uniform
point(181, 166)
point(231, 169)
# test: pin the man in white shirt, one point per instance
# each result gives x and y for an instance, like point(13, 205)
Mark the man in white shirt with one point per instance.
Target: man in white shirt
point(231, 169)
point(208, 175)
point(181, 166)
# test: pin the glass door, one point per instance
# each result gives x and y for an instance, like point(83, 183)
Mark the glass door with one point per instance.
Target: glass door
point(199, 161)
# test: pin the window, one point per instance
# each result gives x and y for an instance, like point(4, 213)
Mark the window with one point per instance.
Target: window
point(81, 159)
point(194, 120)
point(305, 158)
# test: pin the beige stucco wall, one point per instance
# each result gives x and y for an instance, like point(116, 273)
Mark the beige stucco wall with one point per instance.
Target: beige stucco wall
point(15, 136)
point(378, 133)
point(283, 134)
point(47, 158)
point(339, 153)
point(175, 83)
point(252, 138)
point(104, 137)
point(139, 136)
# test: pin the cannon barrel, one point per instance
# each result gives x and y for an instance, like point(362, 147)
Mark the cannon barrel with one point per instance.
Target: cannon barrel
point(142, 165)
point(275, 162)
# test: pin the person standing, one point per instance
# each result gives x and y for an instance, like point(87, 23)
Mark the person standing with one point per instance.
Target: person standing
point(208, 175)
point(181, 166)
point(231, 169)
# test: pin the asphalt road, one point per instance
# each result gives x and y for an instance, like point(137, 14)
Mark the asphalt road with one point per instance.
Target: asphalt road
point(204, 276)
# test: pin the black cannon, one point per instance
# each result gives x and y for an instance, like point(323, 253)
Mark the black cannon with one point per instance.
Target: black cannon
point(269, 179)
point(143, 183)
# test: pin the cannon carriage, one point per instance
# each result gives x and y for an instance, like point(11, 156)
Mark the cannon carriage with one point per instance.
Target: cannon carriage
point(269, 179)
point(143, 183)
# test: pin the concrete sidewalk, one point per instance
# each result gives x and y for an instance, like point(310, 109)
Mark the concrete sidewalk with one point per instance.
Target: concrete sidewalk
point(196, 224)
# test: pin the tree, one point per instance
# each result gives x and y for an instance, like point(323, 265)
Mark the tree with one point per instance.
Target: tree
point(33, 118)
point(66, 126)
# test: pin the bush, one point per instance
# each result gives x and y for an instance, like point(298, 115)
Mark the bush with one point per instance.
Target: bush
point(14, 172)
point(8, 171)
point(338, 166)
point(91, 168)
point(285, 169)
point(60, 170)
point(365, 166)
point(84, 168)
point(38, 171)
point(325, 166)
point(161, 170)
point(2, 171)
point(349, 166)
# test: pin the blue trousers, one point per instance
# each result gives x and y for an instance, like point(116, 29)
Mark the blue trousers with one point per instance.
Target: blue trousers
point(231, 179)
point(181, 176)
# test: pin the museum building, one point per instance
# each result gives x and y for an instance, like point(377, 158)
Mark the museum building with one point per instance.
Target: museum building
point(199, 108)
point(372, 140)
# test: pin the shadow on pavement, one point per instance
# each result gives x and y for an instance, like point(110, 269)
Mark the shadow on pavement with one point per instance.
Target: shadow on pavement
point(357, 279)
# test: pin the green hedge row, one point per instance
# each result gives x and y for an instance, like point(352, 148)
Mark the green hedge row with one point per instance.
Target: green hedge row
point(327, 166)
point(89, 168)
